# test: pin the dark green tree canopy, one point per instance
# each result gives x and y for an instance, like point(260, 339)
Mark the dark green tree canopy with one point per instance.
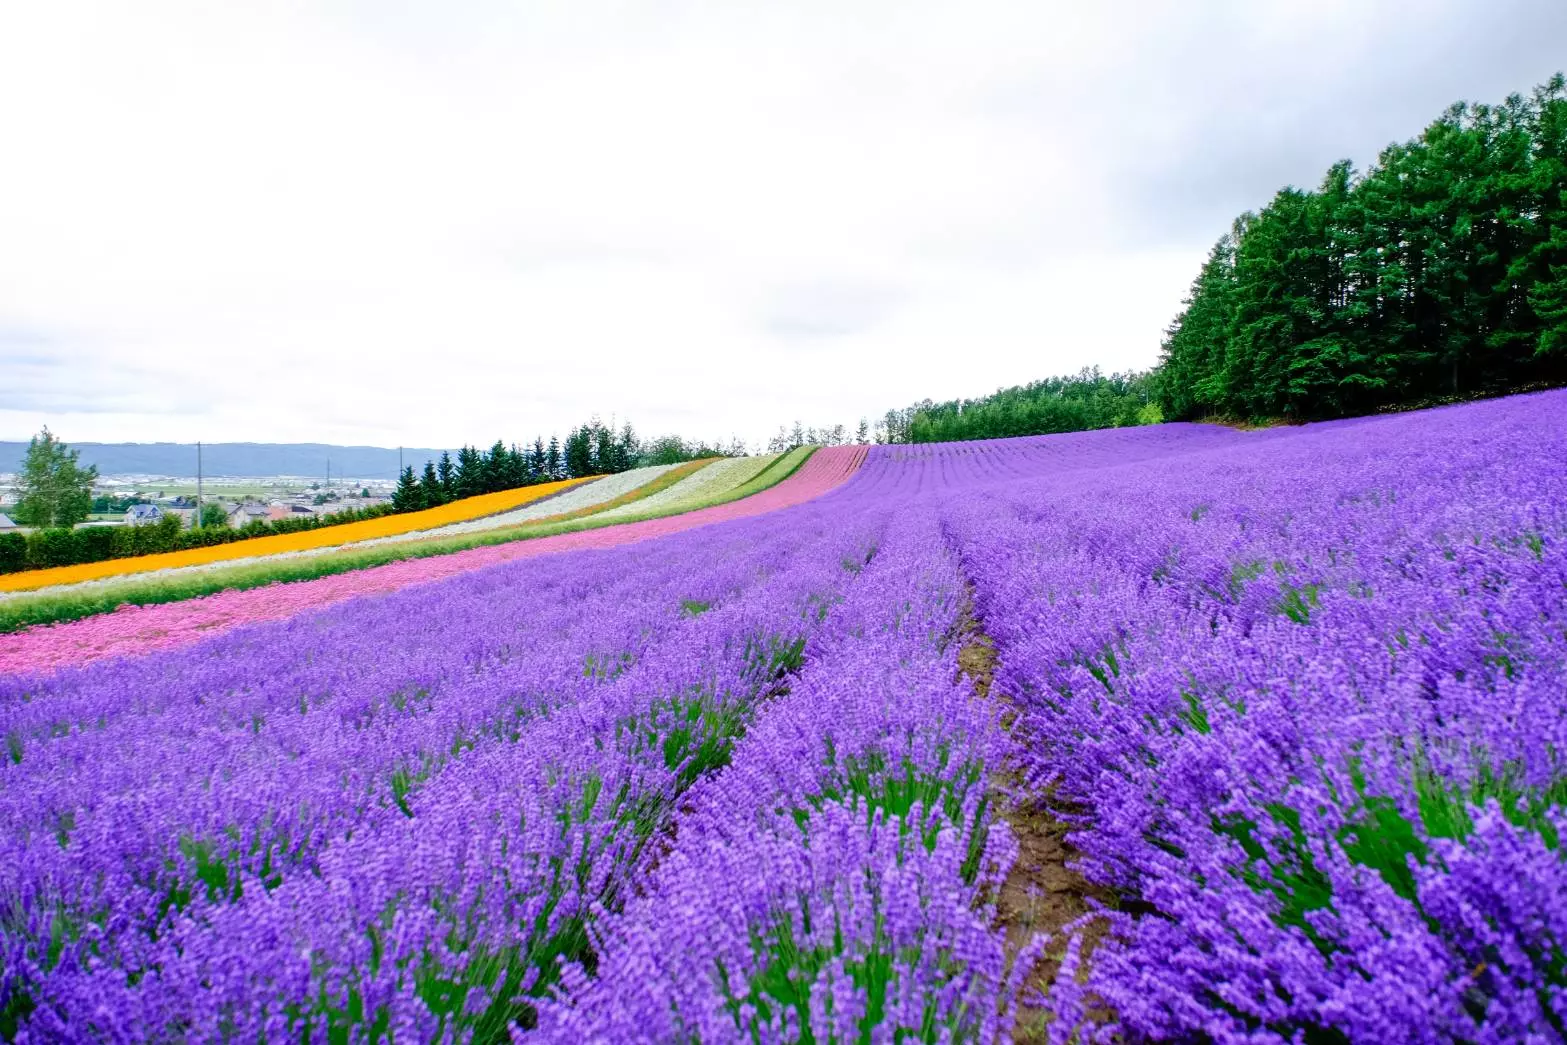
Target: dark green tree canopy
point(589, 449)
point(1086, 400)
point(409, 495)
point(430, 488)
point(1440, 272)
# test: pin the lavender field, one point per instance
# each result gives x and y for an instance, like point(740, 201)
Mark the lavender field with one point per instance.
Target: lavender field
point(1300, 696)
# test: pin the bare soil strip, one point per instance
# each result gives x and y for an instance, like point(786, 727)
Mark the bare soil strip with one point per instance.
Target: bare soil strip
point(1042, 893)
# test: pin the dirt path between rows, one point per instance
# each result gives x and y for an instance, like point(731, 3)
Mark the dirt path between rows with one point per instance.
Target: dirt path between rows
point(1042, 893)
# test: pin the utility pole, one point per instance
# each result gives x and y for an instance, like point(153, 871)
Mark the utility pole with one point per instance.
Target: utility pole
point(197, 521)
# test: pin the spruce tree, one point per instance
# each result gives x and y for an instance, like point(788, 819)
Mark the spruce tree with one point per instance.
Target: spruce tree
point(409, 496)
point(1548, 299)
point(1545, 267)
point(468, 473)
point(431, 487)
point(446, 472)
point(497, 468)
point(627, 448)
point(552, 462)
point(579, 452)
point(516, 467)
point(603, 445)
point(538, 470)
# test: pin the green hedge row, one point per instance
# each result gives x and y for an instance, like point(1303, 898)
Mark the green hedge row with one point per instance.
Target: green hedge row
point(70, 547)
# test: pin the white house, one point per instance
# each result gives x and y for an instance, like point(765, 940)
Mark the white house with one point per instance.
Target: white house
point(143, 514)
point(6, 523)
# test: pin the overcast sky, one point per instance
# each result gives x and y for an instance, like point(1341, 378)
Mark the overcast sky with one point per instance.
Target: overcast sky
point(440, 223)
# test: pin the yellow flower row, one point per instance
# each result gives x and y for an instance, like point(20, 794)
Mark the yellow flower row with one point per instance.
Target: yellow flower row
point(326, 536)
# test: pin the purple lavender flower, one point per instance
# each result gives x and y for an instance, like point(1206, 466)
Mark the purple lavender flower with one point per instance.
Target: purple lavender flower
point(1302, 695)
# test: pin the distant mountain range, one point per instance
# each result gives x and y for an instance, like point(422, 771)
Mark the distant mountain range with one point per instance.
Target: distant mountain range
point(249, 459)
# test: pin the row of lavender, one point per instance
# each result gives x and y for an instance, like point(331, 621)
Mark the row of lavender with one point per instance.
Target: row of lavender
point(836, 881)
point(435, 814)
point(389, 815)
point(1303, 690)
point(1307, 697)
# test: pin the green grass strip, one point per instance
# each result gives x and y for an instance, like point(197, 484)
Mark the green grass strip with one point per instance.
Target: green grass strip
point(25, 611)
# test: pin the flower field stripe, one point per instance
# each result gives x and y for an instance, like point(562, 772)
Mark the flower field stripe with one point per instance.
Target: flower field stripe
point(846, 850)
point(597, 496)
point(538, 519)
point(389, 744)
point(70, 602)
point(693, 490)
point(136, 629)
point(327, 536)
point(75, 601)
point(780, 469)
point(1300, 694)
point(669, 477)
point(607, 492)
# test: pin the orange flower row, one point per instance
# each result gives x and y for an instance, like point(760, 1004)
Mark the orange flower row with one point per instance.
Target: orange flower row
point(326, 536)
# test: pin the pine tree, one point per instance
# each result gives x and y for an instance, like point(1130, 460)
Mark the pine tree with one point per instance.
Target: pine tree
point(538, 465)
point(603, 444)
point(431, 487)
point(491, 468)
point(627, 448)
point(1379, 265)
point(516, 467)
point(1192, 380)
point(579, 452)
point(446, 471)
point(1330, 367)
point(409, 496)
point(553, 466)
point(468, 473)
point(1549, 301)
point(1546, 265)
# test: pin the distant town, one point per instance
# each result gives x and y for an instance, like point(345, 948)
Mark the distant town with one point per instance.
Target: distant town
point(137, 500)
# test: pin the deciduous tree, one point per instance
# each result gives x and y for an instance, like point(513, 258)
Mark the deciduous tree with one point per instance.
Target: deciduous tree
point(55, 489)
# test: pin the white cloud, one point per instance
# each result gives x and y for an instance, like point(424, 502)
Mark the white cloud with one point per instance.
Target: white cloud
point(430, 224)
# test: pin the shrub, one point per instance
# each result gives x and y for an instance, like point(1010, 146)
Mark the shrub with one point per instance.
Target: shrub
point(13, 552)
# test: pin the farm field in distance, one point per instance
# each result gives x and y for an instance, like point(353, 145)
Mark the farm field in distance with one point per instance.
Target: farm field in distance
point(1167, 733)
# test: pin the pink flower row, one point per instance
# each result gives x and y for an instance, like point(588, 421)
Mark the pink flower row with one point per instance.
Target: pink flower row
point(133, 630)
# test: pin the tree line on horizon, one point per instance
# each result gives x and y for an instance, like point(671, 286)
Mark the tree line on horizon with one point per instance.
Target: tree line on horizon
point(593, 448)
point(1438, 274)
point(1081, 402)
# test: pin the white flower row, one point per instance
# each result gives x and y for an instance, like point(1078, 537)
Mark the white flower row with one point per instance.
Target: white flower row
point(599, 491)
point(712, 480)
